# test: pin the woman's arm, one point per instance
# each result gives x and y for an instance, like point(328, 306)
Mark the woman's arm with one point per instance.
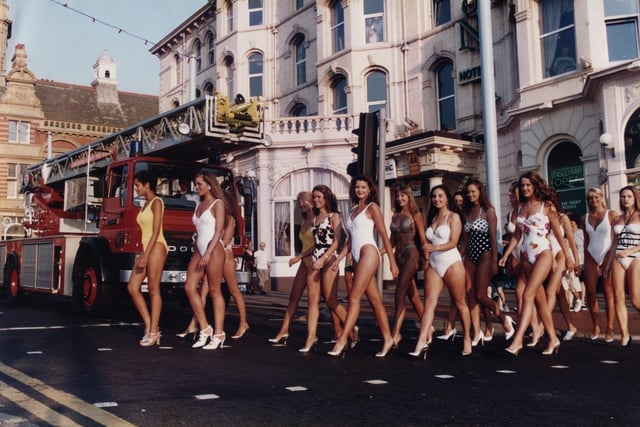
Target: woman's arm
point(552, 214)
point(493, 238)
point(378, 222)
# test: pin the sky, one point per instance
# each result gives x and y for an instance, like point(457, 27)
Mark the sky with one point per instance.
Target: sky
point(63, 45)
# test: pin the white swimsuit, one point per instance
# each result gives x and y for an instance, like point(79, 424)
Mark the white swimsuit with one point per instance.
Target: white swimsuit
point(600, 238)
point(440, 261)
point(361, 230)
point(205, 228)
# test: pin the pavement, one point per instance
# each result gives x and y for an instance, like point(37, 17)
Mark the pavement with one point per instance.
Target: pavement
point(278, 300)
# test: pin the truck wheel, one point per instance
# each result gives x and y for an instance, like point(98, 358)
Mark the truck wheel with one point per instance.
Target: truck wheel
point(13, 283)
point(90, 294)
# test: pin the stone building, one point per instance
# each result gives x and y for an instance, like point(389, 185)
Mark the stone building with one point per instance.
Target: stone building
point(40, 118)
point(566, 82)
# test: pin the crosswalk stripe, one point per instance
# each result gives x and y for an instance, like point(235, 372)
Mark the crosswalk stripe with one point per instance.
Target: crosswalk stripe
point(70, 401)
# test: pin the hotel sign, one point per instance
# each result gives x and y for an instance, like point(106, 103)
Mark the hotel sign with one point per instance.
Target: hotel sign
point(469, 75)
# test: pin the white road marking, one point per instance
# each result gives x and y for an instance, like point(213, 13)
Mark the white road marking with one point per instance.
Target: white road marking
point(206, 396)
point(34, 352)
point(609, 362)
point(106, 404)
point(296, 388)
point(505, 371)
point(376, 382)
point(444, 376)
point(559, 366)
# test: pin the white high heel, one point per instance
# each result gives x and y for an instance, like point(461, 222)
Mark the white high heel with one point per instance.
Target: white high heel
point(509, 334)
point(216, 341)
point(451, 334)
point(204, 336)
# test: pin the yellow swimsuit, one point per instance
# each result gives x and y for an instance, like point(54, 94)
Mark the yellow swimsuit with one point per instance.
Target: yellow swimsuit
point(145, 222)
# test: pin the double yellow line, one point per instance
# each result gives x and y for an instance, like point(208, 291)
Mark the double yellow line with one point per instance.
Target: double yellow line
point(47, 414)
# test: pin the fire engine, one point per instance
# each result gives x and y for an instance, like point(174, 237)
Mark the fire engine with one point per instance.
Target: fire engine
point(80, 207)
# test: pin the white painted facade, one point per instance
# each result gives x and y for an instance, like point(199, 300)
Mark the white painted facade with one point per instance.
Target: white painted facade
point(537, 112)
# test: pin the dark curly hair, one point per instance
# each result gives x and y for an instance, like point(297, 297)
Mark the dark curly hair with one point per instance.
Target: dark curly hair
point(332, 200)
point(485, 203)
point(373, 194)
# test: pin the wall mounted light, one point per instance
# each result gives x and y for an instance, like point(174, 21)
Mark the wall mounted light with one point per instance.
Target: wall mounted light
point(606, 141)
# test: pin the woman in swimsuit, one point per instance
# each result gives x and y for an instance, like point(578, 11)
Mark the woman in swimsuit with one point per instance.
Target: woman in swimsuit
point(365, 216)
point(598, 237)
point(407, 225)
point(208, 259)
point(554, 289)
point(481, 257)
point(623, 260)
point(327, 232)
point(300, 280)
point(229, 275)
point(151, 262)
point(444, 266)
point(536, 215)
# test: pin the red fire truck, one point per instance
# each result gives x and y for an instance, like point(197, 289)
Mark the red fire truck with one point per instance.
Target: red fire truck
point(80, 207)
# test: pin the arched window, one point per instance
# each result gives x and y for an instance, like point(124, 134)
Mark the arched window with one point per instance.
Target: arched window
point(208, 89)
point(376, 91)
point(286, 216)
point(299, 110)
point(300, 60)
point(107, 74)
point(446, 96)
point(338, 87)
point(211, 49)
point(566, 175)
point(229, 67)
point(632, 148)
point(337, 25)
point(255, 74)
point(197, 51)
point(198, 93)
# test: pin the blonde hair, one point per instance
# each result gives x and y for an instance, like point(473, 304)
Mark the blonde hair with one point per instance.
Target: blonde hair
point(597, 191)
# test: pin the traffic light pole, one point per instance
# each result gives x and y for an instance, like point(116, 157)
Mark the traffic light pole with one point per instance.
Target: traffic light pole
point(489, 119)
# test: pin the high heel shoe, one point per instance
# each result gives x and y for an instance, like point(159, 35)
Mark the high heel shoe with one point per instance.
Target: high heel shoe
point(626, 345)
point(241, 334)
point(421, 352)
point(308, 348)
point(476, 341)
point(490, 337)
point(204, 337)
point(553, 349)
point(150, 340)
point(355, 338)
point(568, 336)
point(513, 351)
point(451, 334)
point(216, 341)
point(609, 335)
point(338, 353)
point(187, 332)
point(467, 353)
point(385, 351)
point(536, 338)
point(509, 334)
point(282, 340)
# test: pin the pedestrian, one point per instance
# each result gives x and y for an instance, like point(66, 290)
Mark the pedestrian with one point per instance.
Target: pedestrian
point(480, 261)
point(407, 235)
point(365, 218)
point(535, 216)
point(306, 261)
point(150, 263)
point(444, 266)
point(263, 267)
point(208, 260)
point(598, 238)
point(328, 234)
point(554, 291)
point(249, 265)
point(623, 261)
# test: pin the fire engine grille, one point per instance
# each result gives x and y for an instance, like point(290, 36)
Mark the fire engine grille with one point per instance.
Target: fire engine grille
point(180, 250)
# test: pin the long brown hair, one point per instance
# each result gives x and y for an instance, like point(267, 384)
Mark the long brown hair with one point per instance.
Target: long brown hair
point(485, 203)
point(636, 196)
point(332, 200)
point(214, 186)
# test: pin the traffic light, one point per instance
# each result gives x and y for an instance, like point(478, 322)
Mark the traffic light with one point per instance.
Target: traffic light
point(366, 163)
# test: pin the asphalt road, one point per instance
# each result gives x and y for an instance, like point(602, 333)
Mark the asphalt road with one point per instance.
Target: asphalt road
point(59, 368)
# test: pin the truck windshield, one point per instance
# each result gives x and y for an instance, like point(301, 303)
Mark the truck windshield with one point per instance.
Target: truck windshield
point(175, 182)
